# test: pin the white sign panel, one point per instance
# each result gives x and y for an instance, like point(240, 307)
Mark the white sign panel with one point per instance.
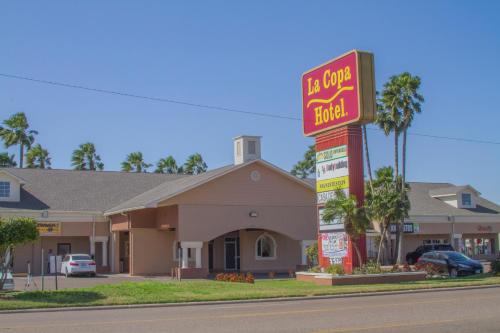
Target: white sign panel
point(334, 244)
point(323, 197)
point(332, 169)
point(331, 154)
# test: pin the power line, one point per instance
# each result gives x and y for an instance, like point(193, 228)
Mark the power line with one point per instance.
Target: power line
point(216, 108)
point(151, 98)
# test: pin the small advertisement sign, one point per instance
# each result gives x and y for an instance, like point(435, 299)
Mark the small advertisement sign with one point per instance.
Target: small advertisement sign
point(339, 92)
point(331, 153)
point(336, 224)
point(334, 244)
point(323, 197)
point(49, 228)
point(333, 184)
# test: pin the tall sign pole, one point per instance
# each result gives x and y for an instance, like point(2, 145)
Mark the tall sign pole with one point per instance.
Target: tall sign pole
point(337, 98)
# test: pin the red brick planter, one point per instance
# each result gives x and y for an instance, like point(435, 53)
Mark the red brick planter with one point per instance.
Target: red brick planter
point(326, 279)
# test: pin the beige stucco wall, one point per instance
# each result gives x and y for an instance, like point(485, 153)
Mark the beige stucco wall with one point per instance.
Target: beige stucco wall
point(151, 251)
point(288, 253)
point(224, 205)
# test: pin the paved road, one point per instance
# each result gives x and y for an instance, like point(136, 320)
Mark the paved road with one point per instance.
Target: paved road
point(445, 311)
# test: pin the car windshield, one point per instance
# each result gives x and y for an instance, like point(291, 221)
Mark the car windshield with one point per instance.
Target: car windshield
point(458, 256)
point(81, 257)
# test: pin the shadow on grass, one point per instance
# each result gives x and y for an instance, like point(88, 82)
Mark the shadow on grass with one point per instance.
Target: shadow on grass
point(62, 297)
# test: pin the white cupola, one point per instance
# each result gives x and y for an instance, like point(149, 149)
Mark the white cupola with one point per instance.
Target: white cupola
point(246, 148)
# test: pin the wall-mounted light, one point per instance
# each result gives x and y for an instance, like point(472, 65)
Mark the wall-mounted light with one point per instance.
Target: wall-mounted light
point(44, 214)
point(253, 214)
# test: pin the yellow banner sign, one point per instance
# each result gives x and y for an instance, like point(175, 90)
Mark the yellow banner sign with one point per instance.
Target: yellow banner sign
point(49, 228)
point(333, 184)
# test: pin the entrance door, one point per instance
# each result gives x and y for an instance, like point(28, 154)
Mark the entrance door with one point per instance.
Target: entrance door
point(231, 253)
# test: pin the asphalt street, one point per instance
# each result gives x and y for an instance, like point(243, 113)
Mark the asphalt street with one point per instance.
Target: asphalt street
point(444, 311)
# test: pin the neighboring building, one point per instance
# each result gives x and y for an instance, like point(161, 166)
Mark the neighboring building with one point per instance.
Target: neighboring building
point(249, 216)
point(442, 213)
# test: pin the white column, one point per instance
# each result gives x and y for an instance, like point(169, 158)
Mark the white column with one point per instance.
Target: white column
point(104, 254)
point(198, 257)
point(303, 246)
point(185, 257)
point(92, 246)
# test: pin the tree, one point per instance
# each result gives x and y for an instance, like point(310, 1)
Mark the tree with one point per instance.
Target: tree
point(401, 100)
point(385, 206)
point(13, 232)
point(307, 166)
point(37, 157)
point(17, 132)
point(195, 165)
point(346, 209)
point(167, 165)
point(135, 163)
point(7, 161)
point(86, 158)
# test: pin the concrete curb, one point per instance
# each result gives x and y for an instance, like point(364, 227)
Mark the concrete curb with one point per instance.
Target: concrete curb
point(247, 301)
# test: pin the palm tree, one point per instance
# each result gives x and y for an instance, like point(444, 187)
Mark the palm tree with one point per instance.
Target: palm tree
point(7, 161)
point(385, 206)
point(135, 163)
point(37, 157)
point(367, 157)
point(167, 165)
point(403, 98)
point(354, 218)
point(86, 158)
point(195, 165)
point(307, 166)
point(17, 132)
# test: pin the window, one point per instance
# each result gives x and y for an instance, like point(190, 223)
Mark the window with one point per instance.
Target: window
point(466, 199)
point(4, 189)
point(251, 147)
point(265, 247)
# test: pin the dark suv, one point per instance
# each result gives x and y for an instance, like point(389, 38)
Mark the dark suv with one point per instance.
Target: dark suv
point(412, 257)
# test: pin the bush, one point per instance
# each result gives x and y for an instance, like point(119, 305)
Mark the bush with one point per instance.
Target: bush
point(336, 269)
point(315, 269)
point(495, 267)
point(371, 267)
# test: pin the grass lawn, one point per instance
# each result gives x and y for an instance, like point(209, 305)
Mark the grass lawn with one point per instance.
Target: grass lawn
point(205, 290)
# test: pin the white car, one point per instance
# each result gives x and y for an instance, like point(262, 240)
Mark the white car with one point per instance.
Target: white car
point(77, 264)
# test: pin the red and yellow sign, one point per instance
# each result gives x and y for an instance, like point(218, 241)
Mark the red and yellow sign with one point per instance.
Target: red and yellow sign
point(339, 92)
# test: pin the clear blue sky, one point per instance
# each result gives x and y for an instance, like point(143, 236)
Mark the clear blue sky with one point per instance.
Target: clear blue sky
point(249, 56)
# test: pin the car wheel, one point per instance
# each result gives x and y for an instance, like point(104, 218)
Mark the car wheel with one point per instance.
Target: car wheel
point(453, 272)
point(92, 274)
point(410, 261)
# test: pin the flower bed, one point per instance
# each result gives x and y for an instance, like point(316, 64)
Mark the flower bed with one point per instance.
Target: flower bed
point(235, 277)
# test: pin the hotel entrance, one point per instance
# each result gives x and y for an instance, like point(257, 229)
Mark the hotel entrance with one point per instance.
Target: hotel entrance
point(232, 253)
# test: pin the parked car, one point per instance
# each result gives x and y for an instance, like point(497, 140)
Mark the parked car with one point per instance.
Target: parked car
point(9, 282)
point(450, 262)
point(412, 257)
point(78, 264)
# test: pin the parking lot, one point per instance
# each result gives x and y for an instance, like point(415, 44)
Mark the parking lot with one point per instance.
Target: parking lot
point(80, 281)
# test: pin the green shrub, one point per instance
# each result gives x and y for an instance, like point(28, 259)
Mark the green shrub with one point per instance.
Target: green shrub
point(371, 267)
point(495, 267)
point(336, 269)
point(315, 269)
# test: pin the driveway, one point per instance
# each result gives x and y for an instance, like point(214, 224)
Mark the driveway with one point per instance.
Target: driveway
point(81, 281)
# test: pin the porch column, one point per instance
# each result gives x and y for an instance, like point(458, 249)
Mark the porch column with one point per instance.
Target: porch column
point(304, 244)
point(105, 253)
point(197, 246)
point(92, 246)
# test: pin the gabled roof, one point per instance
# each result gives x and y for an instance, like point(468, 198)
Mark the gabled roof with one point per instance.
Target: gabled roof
point(80, 191)
point(168, 190)
point(422, 203)
point(451, 190)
